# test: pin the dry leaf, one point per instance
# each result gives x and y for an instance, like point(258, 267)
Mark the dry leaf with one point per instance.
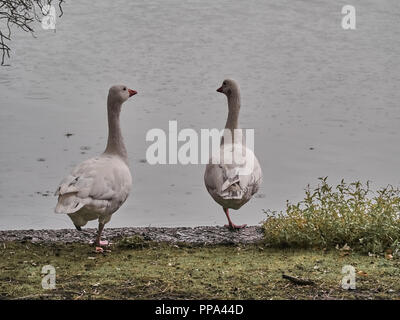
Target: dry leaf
point(346, 248)
point(362, 273)
point(389, 256)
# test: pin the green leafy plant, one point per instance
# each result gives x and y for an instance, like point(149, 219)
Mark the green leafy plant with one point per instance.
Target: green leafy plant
point(349, 213)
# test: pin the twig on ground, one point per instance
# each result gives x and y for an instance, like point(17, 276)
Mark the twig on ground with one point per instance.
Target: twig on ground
point(298, 281)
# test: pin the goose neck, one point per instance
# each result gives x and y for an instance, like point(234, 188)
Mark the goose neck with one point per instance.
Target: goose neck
point(115, 143)
point(232, 121)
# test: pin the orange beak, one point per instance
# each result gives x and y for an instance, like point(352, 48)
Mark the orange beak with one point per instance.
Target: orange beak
point(131, 92)
point(219, 89)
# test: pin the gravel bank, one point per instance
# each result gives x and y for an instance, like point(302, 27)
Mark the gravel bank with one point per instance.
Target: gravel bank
point(197, 235)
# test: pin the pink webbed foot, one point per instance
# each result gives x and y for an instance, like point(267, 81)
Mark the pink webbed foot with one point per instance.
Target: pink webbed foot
point(100, 244)
point(235, 227)
point(103, 243)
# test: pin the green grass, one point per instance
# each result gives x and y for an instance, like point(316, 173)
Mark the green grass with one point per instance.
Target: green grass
point(330, 216)
point(136, 269)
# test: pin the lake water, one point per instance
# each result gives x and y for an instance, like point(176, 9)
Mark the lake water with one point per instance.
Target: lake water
point(323, 101)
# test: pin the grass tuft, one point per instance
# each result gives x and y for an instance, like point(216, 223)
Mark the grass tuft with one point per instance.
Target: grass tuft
point(348, 214)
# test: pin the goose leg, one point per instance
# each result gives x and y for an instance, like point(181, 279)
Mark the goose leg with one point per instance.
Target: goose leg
point(231, 225)
point(98, 242)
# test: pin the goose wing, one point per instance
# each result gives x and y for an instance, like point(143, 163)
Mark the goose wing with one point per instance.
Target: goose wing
point(95, 182)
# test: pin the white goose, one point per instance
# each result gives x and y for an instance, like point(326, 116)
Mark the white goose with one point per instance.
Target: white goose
point(234, 179)
point(97, 187)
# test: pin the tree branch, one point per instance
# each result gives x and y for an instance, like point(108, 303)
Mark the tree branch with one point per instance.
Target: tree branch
point(21, 14)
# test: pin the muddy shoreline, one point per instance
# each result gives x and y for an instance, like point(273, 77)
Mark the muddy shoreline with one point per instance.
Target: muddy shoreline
point(203, 235)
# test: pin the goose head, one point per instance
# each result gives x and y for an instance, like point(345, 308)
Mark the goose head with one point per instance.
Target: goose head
point(119, 94)
point(228, 86)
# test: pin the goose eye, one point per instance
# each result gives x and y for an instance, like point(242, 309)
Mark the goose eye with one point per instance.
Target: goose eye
point(124, 88)
point(224, 83)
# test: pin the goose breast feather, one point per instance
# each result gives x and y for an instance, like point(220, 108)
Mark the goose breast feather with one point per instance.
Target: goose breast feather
point(100, 184)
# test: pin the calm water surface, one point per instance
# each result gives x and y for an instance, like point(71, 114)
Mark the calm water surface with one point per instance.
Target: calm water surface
point(323, 101)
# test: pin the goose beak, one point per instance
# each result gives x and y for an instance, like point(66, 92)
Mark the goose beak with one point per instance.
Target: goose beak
point(131, 92)
point(219, 89)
